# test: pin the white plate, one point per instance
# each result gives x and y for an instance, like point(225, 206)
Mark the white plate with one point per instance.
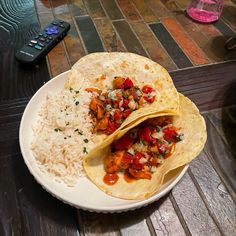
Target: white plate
point(85, 194)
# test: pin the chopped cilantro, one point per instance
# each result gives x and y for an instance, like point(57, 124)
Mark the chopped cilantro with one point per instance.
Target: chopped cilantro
point(67, 123)
point(86, 140)
point(179, 137)
point(57, 129)
point(71, 89)
point(77, 91)
point(79, 131)
point(85, 150)
point(77, 103)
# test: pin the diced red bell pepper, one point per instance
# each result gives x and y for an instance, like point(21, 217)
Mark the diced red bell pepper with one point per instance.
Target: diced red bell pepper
point(147, 89)
point(124, 142)
point(145, 135)
point(170, 134)
point(128, 83)
point(126, 113)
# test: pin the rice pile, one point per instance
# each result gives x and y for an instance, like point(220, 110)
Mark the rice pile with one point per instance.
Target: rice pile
point(62, 135)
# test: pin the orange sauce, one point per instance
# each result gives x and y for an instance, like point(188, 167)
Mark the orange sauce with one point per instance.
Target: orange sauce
point(128, 177)
point(110, 179)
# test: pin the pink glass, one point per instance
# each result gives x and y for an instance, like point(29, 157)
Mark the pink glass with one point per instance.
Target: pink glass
point(205, 10)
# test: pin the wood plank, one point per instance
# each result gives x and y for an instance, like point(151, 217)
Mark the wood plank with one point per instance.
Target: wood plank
point(224, 122)
point(152, 45)
point(229, 14)
point(58, 60)
point(112, 9)
point(16, 29)
point(77, 7)
point(89, 34)
point(145, 11)
point(129, 10)
point(73, 46)
point(94, 8)
point(129, 39)
point(215, 193)
point(10, 213)
point(133, 223)
point(204, 42)
point(175, 52)
point(194, 53)
point(221, 158)
point(40, 212)
point(164, 218)
point(193, 209)
point(171, 5)
point(110, 39)
point(91, 223)
point(208, 86)
point(224, 28)
point(158, 8)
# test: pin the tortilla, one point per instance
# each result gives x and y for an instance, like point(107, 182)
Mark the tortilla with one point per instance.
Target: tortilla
point(91, 70)
point(192, 125)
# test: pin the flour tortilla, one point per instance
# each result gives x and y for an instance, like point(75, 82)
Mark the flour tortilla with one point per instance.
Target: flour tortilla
point(192, 125)
point(89, 69)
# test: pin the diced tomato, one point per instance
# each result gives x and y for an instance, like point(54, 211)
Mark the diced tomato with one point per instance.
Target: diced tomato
point(126, 113)
point(111, 128)
point(138, 155)
point(149, 99)
point(128, 83)
point(125, 103)
point(119, 83)
point(162, 148)
point(127, 158)
point(169, 134)
point(147, 89)
point(117, 115)
point(124, 142)
point(145, 135)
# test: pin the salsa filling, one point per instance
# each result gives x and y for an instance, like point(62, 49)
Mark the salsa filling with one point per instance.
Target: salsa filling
point(139, 152)
point(109, 109)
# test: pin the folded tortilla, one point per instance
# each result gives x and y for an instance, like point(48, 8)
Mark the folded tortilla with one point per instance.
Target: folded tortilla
point(91, 70)
point(192, 126)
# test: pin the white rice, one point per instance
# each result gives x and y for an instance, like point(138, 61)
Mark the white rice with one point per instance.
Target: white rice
point(62, 135)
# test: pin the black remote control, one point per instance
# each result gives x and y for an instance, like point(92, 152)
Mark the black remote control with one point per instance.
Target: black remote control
point(41, 44)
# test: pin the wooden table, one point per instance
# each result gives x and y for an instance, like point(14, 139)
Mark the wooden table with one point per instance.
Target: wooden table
point(203, 203)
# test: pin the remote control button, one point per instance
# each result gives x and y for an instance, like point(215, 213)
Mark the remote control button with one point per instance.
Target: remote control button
point(41, 44)
point(30, 44)
point(62, 26)
point(42, 39)
point(40, 34)
point(54, 23)
point(47, 41)
point(50, 37)
point(61, 21)
point(36, 37)
point(52, 30)
point(45, 36)
point(38, 47)
point(33, 41)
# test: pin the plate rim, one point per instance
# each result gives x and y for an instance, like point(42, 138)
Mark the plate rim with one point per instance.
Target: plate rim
point(115, 209)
